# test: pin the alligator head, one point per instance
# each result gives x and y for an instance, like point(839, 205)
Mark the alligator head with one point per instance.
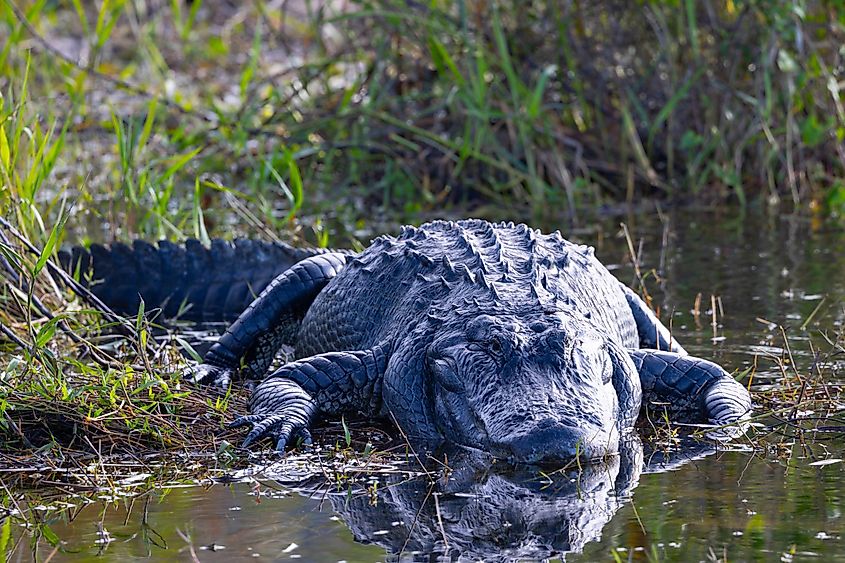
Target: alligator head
point(526, 388)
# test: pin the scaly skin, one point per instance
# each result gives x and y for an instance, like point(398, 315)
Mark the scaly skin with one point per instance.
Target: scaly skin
point(491, 337)
point(190, 281)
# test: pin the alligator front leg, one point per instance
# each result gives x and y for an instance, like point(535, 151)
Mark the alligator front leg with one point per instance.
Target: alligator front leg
point(252, 341)
point(652, 332)
point(284, 405)
point(692, 389)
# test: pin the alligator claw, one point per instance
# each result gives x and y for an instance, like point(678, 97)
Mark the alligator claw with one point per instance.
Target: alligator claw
point(277, 426)
point(245, 420)
point(207, 374)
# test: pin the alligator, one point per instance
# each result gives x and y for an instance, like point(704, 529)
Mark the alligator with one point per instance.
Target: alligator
point(493, 337)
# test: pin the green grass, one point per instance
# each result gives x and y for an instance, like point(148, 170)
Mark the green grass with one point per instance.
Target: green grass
point(148, 123)
point(73, 376)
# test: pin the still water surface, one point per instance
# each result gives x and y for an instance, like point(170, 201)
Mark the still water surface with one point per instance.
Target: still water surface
point(740, 505)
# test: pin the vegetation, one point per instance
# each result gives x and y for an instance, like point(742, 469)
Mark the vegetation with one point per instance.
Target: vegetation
point(172, 119)
point(146, 118)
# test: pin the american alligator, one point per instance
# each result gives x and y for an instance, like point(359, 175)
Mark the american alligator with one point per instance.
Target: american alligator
point(488, 336)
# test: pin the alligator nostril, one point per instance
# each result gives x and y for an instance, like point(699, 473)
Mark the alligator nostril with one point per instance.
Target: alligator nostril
point(550, 441)
point(538, 326)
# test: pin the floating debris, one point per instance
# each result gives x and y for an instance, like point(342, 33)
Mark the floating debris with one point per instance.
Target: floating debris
point(824, 462)
point(290, 548)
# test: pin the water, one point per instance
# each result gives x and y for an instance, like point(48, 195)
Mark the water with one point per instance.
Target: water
point(769, 277)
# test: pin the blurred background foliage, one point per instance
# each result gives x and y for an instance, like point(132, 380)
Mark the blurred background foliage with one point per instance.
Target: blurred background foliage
point(158, 118)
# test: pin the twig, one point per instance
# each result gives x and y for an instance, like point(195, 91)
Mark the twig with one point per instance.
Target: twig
point(10, 334)
point(635, 262)
point(416, 518)
point(98, 355)
point(18, 431)
point(410, 447)
point(190, 543)
point(440, 520)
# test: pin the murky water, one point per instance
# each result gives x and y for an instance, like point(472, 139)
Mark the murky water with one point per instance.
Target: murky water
point(767, 277)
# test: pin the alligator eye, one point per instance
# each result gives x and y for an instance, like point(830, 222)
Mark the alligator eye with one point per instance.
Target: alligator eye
point(498, 346)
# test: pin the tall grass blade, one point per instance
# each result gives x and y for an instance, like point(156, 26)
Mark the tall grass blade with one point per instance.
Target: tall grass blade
point(179, 162)
point(52, 240)
point(249, 70)
point(536, 99)
point(200, 232)
point(670, 106)
point(296, 184)
point(5, 153)
point(693, 27)
point(148, 122)
point(443, 61)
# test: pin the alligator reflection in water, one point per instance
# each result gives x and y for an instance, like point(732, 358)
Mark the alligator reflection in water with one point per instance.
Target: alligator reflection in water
point(500, 516)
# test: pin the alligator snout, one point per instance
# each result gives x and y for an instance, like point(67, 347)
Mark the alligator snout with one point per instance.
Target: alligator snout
point(552, 442)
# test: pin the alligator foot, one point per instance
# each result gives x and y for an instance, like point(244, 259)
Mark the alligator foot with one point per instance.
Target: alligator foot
point(207, 374)
point(282, 410)
point(726, 401)
point(698, 391)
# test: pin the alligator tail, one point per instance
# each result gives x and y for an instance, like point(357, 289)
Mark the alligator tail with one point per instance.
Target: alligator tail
point(188, 281)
